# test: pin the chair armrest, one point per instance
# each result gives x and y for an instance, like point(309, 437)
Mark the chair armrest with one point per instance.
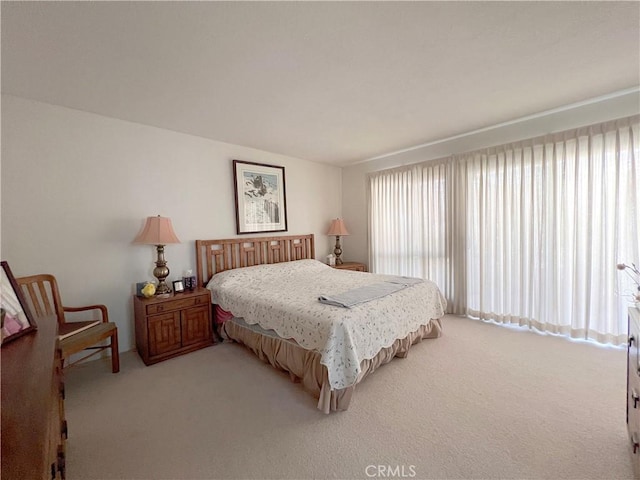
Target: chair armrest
point(102, 308)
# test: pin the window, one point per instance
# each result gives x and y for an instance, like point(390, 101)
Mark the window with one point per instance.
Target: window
point(528, 233)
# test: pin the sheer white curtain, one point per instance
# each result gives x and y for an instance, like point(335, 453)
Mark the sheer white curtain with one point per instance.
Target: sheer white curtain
point(409, 213)
point(527, 233)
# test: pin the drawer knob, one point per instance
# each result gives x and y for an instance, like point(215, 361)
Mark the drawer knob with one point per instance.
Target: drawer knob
point(634, 442)
point(632, 340)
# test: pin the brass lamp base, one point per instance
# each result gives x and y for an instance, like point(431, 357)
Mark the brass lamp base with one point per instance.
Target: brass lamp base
point(337, 251)
point(161, 272)
point(163, 288)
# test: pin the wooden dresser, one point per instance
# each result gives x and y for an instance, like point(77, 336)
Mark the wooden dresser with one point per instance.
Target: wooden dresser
point(167, 326)
point(633, 387)
point(33, 423)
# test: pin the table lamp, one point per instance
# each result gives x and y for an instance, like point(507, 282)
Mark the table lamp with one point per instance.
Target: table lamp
point(159, 232)
point(338, 229)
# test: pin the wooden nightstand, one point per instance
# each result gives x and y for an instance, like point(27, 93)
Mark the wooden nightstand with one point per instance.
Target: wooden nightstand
point(167, 326)
point(358, 267)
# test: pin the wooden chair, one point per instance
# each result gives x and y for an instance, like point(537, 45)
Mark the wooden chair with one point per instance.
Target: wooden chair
point(43, 298)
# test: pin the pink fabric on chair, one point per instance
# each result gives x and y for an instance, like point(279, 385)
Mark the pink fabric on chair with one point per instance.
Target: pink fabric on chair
point(11, 324)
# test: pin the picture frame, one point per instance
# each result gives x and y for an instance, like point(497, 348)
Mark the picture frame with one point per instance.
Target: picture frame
point(15, 316)
point(260, 197)
point(178, 286)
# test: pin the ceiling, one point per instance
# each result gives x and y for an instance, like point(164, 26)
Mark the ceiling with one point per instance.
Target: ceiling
point(334, 82)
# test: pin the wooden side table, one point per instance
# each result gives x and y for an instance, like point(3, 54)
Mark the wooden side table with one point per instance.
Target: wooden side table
point(358, 267)
point(171, 325)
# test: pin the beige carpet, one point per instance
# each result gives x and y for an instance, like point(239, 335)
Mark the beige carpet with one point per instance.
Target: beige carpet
point(481, 402)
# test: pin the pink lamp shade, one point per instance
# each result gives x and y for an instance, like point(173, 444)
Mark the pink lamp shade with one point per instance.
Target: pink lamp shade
point(157, 231)
point(338, 228)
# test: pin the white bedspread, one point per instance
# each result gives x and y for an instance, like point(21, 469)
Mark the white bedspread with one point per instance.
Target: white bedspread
point(284, 297)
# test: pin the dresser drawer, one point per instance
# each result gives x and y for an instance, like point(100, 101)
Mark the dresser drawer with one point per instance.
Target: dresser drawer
point(177, 304)
point(633, 428)
point(633, 397)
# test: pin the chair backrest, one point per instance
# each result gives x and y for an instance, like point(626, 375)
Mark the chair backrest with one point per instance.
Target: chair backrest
point(43, 298)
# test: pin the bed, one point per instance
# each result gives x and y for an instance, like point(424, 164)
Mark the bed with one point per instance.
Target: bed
point(265, 293)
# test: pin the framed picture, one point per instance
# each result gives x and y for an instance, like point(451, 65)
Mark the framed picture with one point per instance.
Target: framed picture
point(16, 316)
point(178, 286)
point(261, 199)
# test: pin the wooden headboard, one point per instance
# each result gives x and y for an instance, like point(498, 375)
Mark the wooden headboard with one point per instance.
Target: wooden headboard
point(215, 256)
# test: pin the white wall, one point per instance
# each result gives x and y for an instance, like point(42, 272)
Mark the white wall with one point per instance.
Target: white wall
point(76, 188)
point(354, 177)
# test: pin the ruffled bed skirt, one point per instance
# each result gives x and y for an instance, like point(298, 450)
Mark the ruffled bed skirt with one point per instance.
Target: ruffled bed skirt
point(304, 365)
